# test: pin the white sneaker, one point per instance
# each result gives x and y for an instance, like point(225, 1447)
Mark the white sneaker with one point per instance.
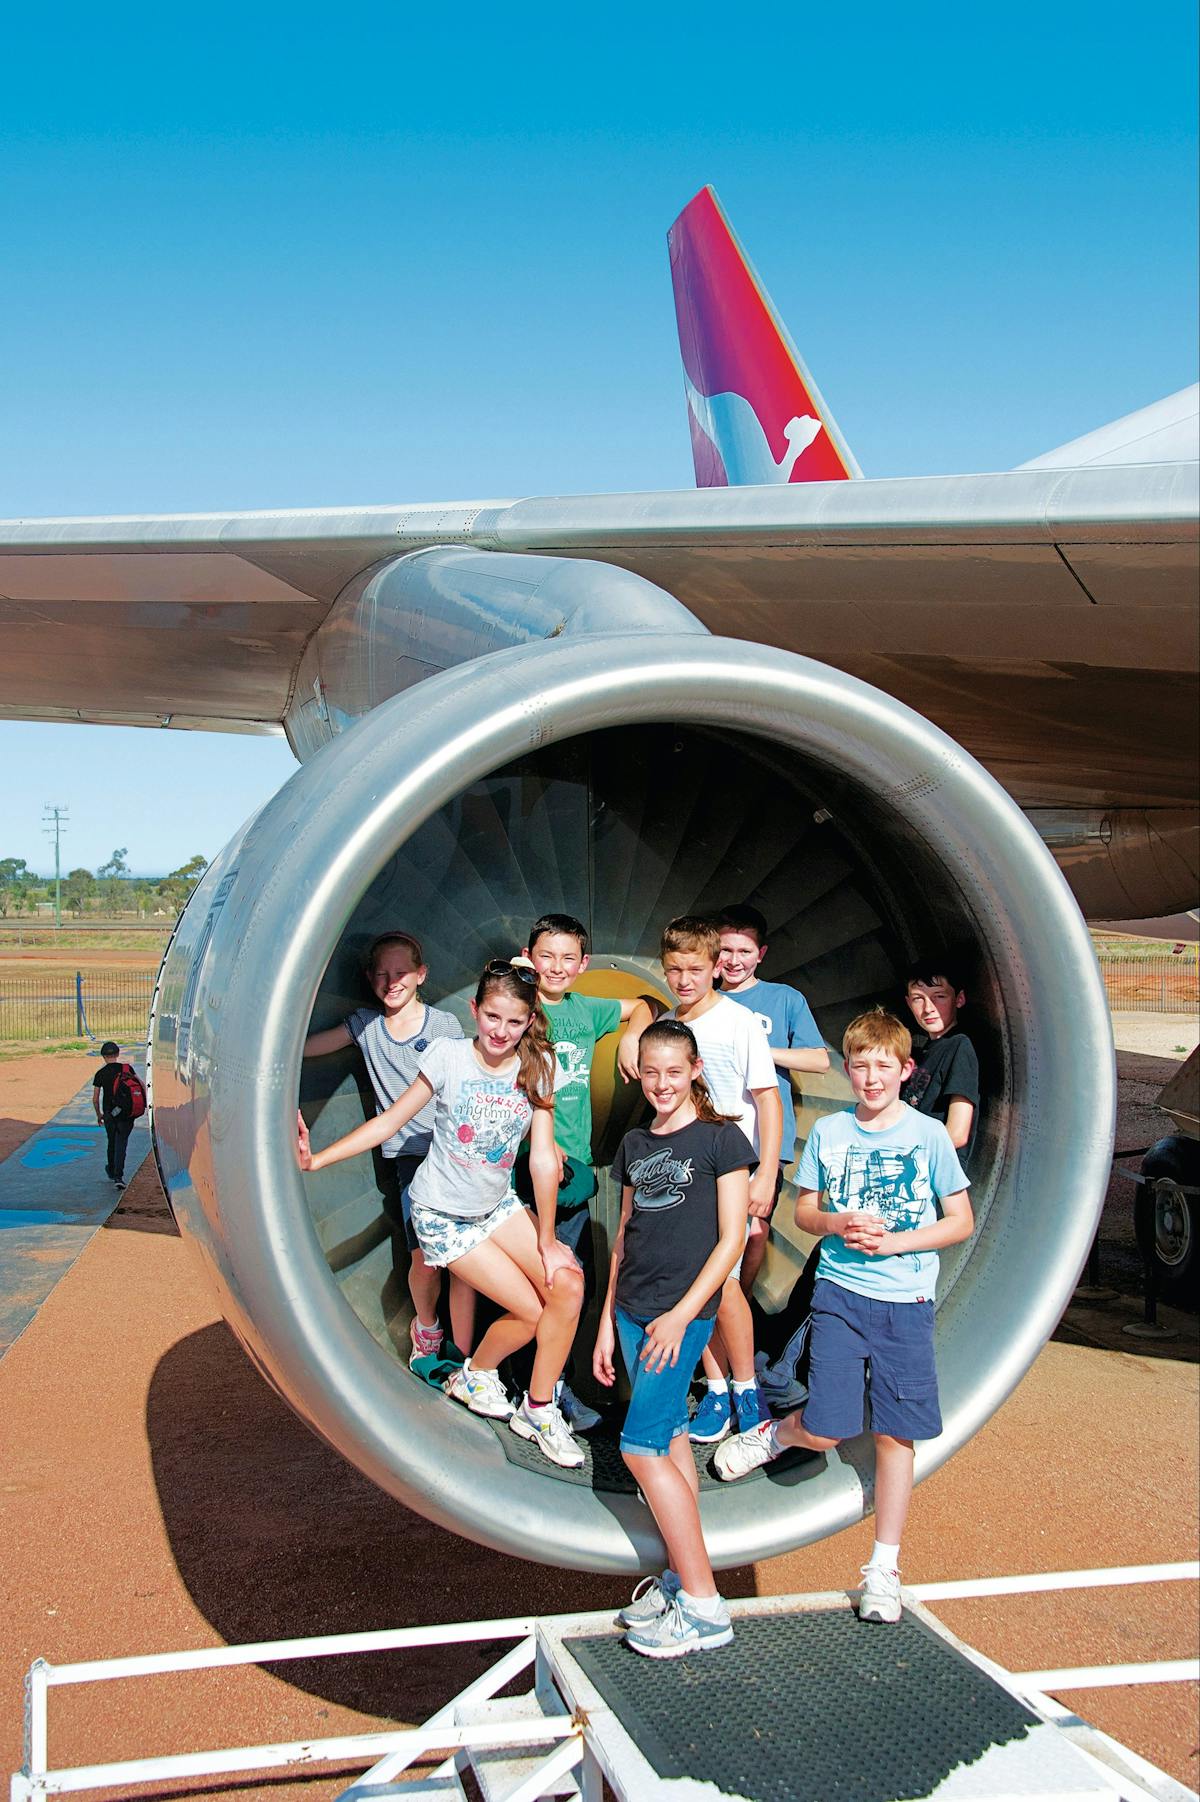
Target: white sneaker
point(578, 1416)
point(879, 1599)
point(677, 1631)
point(426, 1341)
point(652, 1597)
point(746, 1451)
point(549, 1432)
point(481, 1391)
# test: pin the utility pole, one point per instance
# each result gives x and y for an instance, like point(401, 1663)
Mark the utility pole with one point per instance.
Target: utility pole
point(55, 819)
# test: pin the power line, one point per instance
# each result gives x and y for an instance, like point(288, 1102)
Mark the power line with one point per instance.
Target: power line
point(55, 819)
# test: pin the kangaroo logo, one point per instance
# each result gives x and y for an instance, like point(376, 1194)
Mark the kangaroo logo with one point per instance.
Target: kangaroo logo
point(735, 428)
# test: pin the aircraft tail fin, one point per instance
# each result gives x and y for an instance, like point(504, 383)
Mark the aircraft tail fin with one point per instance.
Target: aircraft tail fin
point(755, 413)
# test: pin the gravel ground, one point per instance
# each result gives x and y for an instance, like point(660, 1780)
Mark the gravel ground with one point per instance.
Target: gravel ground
point(156, 1494)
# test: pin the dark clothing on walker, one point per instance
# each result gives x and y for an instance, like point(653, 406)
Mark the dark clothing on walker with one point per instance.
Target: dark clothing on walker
point(117, 1127)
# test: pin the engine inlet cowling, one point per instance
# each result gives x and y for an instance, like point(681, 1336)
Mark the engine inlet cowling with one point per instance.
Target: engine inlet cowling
point(623, 781)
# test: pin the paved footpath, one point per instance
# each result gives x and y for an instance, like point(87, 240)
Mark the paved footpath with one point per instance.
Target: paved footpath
point(53, 1196)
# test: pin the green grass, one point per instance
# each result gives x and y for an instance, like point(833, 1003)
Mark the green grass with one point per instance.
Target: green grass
point(44, 1048)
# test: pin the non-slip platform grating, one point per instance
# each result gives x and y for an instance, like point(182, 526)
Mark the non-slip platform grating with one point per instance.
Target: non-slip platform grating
point(808, 1707)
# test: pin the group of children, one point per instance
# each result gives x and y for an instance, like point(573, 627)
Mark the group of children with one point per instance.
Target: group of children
point(880, 1185)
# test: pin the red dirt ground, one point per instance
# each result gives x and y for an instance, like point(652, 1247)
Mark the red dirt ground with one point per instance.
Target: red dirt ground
point(157, 1495)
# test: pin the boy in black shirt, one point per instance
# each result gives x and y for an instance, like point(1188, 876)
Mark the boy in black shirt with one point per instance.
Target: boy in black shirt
point(117, 1126)
point(945, 1083)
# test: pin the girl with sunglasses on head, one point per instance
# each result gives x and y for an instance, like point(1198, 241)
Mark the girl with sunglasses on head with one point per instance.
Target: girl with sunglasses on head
point(488, 1093)
point(685, 1184)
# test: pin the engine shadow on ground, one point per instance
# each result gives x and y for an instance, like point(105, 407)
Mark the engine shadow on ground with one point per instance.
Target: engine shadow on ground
point(14, 1132)
point(276, 1537)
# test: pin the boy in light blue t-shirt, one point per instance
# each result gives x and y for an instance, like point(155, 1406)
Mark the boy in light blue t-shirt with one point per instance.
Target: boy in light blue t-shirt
point(894, 1194)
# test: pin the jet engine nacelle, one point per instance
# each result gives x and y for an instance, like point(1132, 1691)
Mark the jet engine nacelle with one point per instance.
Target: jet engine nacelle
point(623, 777)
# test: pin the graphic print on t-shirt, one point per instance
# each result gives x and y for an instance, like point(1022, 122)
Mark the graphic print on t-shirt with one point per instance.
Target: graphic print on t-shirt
point(488, 1123)
point(574, 1063)
point(917, 1084)
point(891, 1183)
point(659, 1181)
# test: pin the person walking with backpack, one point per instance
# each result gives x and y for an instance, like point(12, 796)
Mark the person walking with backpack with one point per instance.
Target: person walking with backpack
point(118, 1096)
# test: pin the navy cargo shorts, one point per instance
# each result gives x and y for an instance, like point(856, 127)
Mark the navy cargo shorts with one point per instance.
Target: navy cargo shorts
point(852, 1333)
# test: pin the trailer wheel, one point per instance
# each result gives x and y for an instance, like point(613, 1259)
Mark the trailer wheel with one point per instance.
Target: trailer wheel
point(1165, 1217)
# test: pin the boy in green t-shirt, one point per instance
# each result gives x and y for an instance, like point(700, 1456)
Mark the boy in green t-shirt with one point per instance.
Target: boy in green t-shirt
point(558, 951)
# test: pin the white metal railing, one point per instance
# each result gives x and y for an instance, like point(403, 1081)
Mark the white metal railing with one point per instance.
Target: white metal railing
point(392, 1752)
point(1083, 1676)
point(403, 1746)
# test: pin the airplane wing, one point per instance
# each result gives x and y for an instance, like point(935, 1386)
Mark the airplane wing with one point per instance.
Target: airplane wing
point(1046, 618)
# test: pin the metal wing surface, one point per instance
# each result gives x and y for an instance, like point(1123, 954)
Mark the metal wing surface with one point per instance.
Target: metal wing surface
point(1045, 618)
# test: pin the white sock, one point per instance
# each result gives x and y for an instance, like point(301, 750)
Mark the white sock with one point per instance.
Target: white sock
point(885, 1557)
point(709, 1608)
point(537, 1407)
point(717, 1385)
point(431, 1328)
point(743, 1388)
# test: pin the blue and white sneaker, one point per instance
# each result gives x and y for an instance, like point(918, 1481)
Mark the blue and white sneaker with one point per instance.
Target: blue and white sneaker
point(652, 1597)
point(712, 1419)
point(750, 1410)
point(677, 1631)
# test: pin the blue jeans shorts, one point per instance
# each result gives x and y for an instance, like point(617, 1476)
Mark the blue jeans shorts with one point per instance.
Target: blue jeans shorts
point(658, 1410)
point(895, 1339)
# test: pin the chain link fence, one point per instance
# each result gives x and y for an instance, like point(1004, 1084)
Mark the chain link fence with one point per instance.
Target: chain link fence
point(115, 1004)
point(76, 1004)
point(1153, 982)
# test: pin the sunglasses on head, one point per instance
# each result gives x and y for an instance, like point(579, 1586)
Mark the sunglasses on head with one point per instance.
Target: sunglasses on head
point(500, 966)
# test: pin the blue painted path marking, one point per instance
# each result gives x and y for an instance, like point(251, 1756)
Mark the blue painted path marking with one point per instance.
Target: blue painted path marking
point(53, 1196)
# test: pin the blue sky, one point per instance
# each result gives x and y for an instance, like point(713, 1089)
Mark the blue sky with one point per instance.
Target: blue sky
point(293, 257)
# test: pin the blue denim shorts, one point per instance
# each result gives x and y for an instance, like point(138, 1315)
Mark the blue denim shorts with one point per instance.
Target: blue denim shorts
point(895, 1339)
point(658, 1410)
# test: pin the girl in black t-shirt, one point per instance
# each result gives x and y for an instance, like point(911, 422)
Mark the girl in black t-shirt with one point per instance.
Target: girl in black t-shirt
point(685, 1184)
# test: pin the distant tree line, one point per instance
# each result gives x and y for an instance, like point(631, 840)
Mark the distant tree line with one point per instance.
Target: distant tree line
point(109, 891)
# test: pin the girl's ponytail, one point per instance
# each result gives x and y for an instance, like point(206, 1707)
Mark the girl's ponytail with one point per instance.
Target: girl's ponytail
point(535, 1076)
point(703, 1103)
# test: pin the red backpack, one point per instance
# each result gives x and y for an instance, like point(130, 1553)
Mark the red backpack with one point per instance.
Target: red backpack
point(128, 1094)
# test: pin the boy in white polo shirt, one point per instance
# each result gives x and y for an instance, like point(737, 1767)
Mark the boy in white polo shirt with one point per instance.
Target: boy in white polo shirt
point(792, 1034)
point(740, 1074)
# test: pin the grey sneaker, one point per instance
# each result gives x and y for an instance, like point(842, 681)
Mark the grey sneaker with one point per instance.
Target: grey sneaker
point(677, 1631)
point(879, 1599)
point(746, 1451)
point(481, 1391)
point(549, 1432)
point(578, 1416)
point(783, 1391)
point(652, 1597)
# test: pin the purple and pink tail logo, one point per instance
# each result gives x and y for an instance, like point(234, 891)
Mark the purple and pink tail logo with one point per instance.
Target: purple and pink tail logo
point(754, 410)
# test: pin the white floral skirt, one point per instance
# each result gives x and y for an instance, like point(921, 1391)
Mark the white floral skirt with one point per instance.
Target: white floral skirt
point(445, 1237)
